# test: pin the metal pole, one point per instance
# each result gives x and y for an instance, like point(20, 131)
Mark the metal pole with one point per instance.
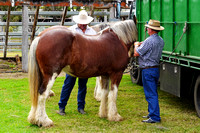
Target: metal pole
point(63, 16)
point(25, 45)
point(112, 13)
point(7, 30)
point(105, 16)
point(35, 23)
point(131, 11)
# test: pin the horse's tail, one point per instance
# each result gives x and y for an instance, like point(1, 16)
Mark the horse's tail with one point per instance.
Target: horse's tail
point(34, 73)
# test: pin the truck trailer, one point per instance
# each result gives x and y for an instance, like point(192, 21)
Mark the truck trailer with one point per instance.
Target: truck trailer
point(180, 61)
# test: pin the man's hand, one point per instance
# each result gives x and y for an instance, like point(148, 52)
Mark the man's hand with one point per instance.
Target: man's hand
point(136, 45)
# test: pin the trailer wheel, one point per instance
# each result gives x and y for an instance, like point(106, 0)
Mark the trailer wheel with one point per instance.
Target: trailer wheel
point(197, 96)
point(135, 72)
point(136, 75)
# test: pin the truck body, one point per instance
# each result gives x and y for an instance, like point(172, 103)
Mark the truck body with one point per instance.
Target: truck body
point(180, 61)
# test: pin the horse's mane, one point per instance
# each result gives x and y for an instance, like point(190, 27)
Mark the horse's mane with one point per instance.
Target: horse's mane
point(126, 31)
point(102, 26)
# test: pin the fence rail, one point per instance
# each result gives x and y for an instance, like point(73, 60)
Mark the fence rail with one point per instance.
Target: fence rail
point(11, 44)
point(41, 24)
point(59, 13)
point(18, 35)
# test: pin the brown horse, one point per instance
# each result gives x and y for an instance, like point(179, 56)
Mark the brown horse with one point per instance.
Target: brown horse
point(57, 49)
point(98, 89)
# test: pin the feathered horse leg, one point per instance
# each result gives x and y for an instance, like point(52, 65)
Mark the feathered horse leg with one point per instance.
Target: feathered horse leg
point(113, 115)
point(104, 97)
point(98, 89)
point(41, 116)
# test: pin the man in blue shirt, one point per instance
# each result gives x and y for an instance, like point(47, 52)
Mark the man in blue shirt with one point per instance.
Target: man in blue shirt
point(82, 20)
point(149, 53)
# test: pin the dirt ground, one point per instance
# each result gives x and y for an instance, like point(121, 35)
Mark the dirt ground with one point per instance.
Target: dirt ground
point(12, 69)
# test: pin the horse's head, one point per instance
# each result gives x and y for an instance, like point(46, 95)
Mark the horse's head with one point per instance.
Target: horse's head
point(126, 31)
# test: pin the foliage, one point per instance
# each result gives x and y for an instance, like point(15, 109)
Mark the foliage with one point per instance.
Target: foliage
point(52, 8)
point(178, 115)
point(13, 18)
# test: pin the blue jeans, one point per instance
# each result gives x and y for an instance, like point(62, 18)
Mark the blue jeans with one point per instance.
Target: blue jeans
point(67, 88)
point(150, 81)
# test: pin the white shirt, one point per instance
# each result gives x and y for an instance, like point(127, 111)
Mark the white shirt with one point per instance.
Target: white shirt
point(88, 31)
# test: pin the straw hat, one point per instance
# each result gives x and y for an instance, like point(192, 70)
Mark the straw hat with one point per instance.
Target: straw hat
point(82, 18)
point(154, 24)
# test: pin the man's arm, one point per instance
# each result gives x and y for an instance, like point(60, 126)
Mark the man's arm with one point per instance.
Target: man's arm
point(136, 45)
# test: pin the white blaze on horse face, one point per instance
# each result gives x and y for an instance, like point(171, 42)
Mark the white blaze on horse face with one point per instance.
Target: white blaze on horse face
point(68, 70)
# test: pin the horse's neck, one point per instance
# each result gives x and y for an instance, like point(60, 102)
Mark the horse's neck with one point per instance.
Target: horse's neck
point(129, 45)
point(130, 48)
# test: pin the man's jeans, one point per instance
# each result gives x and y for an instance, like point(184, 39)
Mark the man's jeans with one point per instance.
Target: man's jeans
point(150, 81)
point(67, 88)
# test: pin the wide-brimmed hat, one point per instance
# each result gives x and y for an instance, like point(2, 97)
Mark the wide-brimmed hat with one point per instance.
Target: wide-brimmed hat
point(82, 18)
point(154, 24)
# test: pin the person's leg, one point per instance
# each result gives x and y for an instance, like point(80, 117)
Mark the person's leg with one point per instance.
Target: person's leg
point(82, 90)
point(118, 9)
point(150, 80)
point(66, 91)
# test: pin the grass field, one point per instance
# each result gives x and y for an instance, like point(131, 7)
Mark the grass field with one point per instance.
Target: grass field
point(178, 115)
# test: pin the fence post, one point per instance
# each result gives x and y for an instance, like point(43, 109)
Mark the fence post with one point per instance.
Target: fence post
point(35, 23)
point(64, 15)
point(105, 16)
point(7, 30)
point(112, 13)
point(25, 20)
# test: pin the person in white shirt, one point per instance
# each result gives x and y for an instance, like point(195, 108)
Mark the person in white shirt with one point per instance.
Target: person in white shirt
point(82, 20)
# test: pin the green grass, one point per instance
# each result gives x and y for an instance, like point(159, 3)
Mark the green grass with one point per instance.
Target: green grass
point(178, 115)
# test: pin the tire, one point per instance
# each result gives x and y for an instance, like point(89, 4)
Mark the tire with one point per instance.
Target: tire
point(136, 73)
point(197, 96)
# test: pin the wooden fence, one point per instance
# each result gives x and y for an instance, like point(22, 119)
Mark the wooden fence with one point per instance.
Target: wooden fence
point(18, 35)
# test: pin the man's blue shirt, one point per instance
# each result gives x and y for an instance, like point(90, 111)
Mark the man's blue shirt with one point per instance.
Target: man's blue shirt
point(150, 51)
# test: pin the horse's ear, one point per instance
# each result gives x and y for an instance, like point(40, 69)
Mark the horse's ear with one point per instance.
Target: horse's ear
point(135, 19)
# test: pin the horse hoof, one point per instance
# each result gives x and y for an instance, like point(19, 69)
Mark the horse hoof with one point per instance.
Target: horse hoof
point(98, 99)
point(31, 117)
point(102, 115)
point(51, 93)
point(46, 123)
point(115, 118)
point(32, 120)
